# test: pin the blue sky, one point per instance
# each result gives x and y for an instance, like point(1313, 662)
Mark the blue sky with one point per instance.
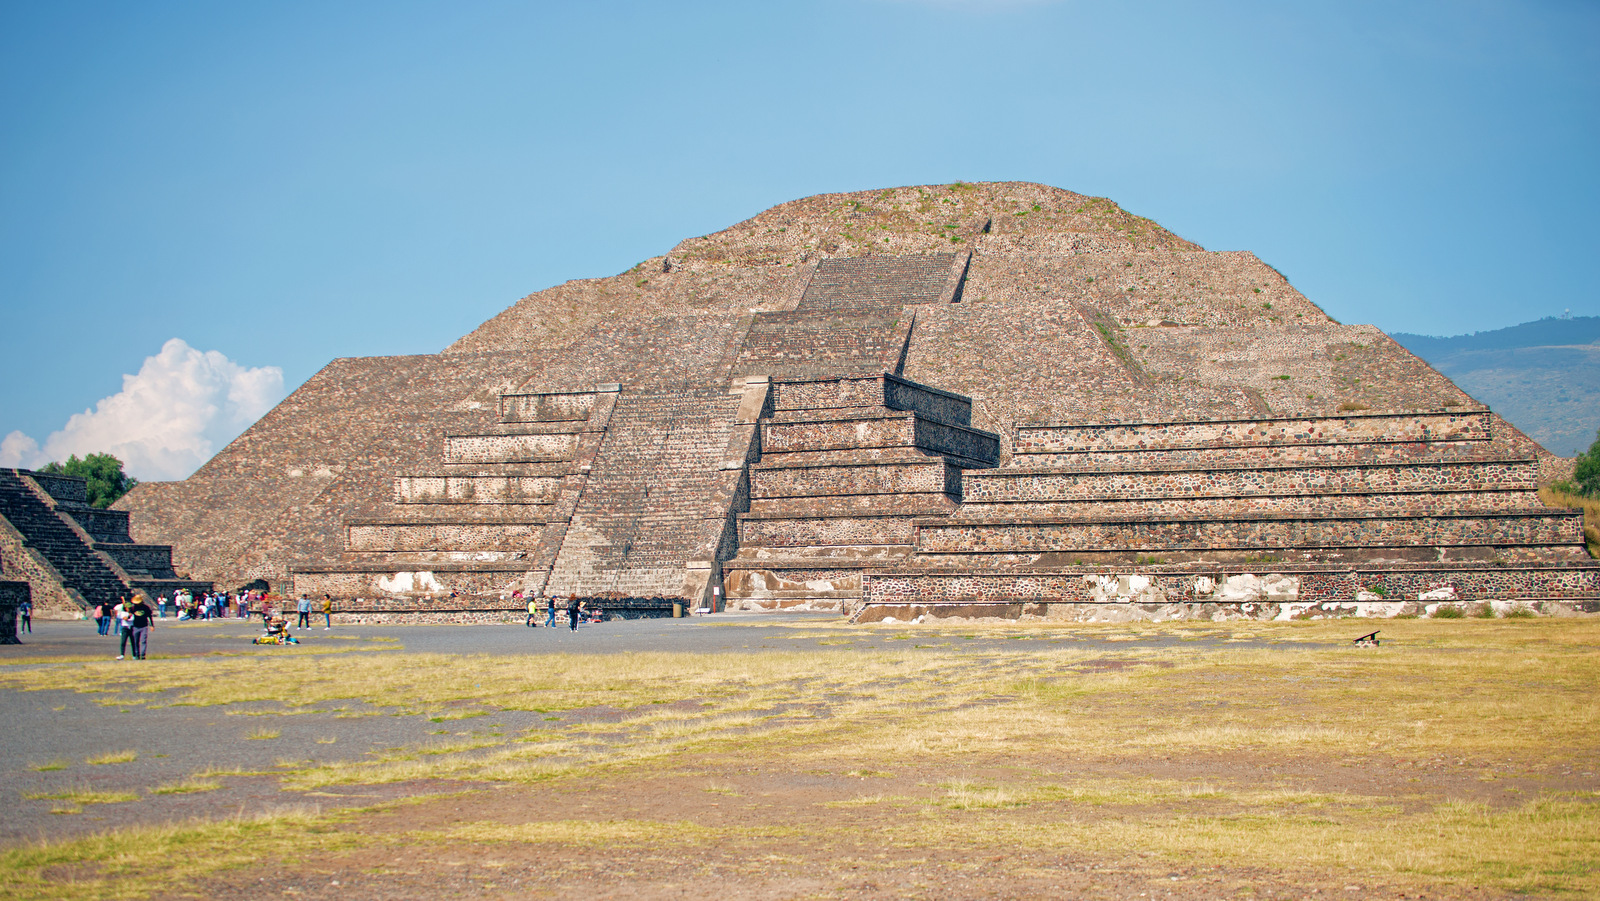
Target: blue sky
point(278, 184)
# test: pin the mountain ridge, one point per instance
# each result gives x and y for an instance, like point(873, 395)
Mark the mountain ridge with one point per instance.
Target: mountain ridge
point(1543, 376)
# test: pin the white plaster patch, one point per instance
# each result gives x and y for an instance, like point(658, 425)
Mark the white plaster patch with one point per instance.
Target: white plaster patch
point(405, 582)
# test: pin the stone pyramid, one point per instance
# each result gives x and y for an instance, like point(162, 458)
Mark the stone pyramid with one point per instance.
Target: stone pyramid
point(998, 399)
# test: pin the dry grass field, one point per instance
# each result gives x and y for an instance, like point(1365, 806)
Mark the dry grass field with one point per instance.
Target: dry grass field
point(1229, 760)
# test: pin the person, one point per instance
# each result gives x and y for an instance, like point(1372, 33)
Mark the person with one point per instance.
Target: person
point(327, 612)
point(551, 603)
point(100, 619)
point(161, 605)
point(572, 612)
point(302, 607)
point(25, 615)
point(533, 612)
point(244, 606)
point(140, 621)
point(124, 626)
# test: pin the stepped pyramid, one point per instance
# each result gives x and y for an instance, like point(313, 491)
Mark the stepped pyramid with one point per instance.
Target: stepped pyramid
point(74, 556)
point(1000, 399)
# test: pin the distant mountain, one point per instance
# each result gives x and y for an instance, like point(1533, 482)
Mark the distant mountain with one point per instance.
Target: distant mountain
point(1542, 376)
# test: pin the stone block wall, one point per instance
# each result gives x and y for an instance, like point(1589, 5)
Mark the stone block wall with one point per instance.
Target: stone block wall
point(477, 489)
point(109, 526)
point(488, 520)
point(841, 481)
point(1367, 428)
point(1551, 532)
point(1236, 480)
point(525, 448)
point(63, 489)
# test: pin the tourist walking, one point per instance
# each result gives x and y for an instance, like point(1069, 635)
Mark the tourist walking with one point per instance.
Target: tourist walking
point(25, 612)
point(550, 603)
point(327, 612)
point(124, 626)
point(140, 622)
point(303, 608)
point(533, 611)
point(572, 613)
point(100, 618)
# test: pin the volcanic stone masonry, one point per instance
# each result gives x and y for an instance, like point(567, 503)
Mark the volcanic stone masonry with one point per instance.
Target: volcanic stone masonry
point(990, 399)
point(67, 556)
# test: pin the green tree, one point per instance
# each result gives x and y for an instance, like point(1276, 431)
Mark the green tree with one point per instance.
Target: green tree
point(1587, 473)
point(107, 481)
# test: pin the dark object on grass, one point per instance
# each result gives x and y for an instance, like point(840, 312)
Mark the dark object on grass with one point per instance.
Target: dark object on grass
point(1369, 640)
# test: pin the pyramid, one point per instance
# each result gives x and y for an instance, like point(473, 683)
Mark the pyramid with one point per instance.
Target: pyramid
point(973, 399)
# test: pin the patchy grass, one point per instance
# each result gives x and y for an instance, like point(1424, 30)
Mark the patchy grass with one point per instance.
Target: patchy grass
point(1497, 698)
point(1590, 506)
point(187, 786)
point(50, 766)
point(80, 796)
point(113, 757)
point(148, 862)
point(262, 733)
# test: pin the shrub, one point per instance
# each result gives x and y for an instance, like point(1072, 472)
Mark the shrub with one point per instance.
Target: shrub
point(1446, 612)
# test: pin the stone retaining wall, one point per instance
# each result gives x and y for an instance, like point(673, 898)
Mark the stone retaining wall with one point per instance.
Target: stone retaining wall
point(1256, 432)
point(1296, 585)
point(1306, 504)
point(508, 448)
point(1231, 481)
point(403, 537)
point(476, 489)
point(546, 407)
point(1166, 535)
point(928, 475)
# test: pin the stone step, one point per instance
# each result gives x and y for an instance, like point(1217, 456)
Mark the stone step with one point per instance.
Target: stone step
point(420, 537)
point(553, 407)
point(476, 489)
point(933, 503)
point(773, 531)
point(1200, 458)
point(850, 457)
point(887, 391)
point(1008, 484)
point(550, 469)
point(877, 281)
point(813, 431)
point(1351, 428)
point(446, 514)
point(1302, 505)
point(44, 531)
point(527, 448)
point(929, 474)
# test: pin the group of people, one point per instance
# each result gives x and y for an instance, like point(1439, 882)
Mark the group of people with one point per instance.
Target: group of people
point(133, 620)
point(212, 605)
point(577, 611)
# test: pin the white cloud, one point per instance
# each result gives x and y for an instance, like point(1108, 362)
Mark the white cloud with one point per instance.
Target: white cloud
point(17, 449)
point(180, 409)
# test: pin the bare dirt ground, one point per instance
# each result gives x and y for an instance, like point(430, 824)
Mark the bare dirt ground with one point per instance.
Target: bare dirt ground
point(792, 758)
